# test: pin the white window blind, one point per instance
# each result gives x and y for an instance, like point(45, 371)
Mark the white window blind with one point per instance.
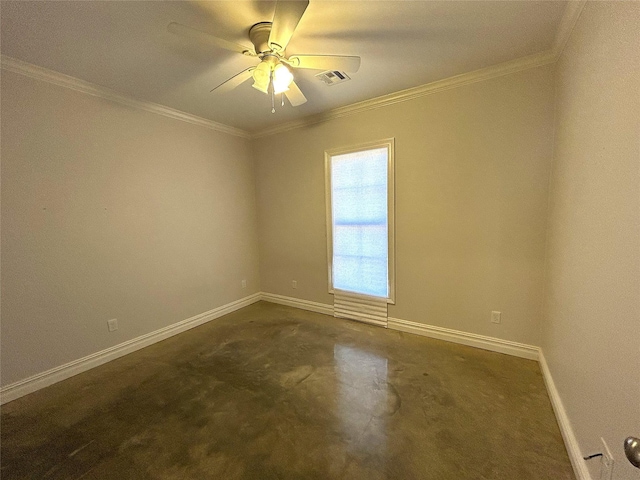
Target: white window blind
point(360, 221)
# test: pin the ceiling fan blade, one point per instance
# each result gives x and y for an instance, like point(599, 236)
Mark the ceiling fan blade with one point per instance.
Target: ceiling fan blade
point(207, 38)
point(285, 21)
point(326, 62)
point(294, 95)
point(234, 81)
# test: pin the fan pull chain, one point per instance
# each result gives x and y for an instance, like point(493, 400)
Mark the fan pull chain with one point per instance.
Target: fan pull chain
point(273, 106)
point(282, 98)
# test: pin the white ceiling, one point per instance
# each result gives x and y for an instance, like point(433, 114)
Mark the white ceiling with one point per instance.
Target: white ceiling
point(125, 46)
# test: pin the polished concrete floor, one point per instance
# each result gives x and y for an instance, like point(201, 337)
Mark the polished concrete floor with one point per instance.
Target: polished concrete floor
point(273, 392)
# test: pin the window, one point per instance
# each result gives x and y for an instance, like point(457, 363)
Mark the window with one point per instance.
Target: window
point(359, 192)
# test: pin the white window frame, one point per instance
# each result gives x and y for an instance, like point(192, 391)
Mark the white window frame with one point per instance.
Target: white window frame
point(389, 144)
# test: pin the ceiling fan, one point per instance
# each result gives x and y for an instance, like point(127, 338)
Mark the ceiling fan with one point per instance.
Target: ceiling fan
point(270, 39)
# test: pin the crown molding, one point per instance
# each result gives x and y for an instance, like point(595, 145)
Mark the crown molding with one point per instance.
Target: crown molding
point(567, 23)
point(499, 70)
point(565, 28)
point(20, 67)
point(569, 19)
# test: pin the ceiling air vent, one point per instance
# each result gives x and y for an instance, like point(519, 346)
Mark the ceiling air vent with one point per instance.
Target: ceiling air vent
point(331, 77)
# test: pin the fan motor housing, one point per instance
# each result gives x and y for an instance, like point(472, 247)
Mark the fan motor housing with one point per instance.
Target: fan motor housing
point(259, 36)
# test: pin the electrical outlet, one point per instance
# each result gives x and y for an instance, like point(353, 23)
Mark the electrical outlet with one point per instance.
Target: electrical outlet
point(495, 317)
point(606, 469)
point(244, 284)
point(112, 324)
point(294, 283)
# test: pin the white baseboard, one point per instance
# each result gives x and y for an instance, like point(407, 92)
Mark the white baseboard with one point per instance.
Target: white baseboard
point(298, 303)
point(571, 443)
point(62, 372)
point(57, 374)
point(465, 338)
point(471, 339)
point(516, 349)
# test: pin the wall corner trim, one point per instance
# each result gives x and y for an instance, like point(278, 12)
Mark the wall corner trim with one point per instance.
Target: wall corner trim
point(493, 71)
point(470, 339)
point(570, 441)
point(567, 23)
point(297, 303)
point(44, 379)
point(20, 67)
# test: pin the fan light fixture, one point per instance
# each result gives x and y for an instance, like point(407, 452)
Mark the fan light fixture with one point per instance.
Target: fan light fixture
point(282, 78)
point(269, 42)
point(262, 77)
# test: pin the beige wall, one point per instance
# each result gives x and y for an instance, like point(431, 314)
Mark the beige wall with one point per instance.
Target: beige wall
point(110, 212)
point(472, 171)
point(591, 331)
